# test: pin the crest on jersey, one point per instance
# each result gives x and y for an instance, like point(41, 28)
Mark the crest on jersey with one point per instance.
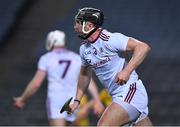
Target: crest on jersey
point(94, 51)
point(88, 61)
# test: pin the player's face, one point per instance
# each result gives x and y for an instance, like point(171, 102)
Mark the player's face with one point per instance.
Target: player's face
point(83, 28)
point(78, 26)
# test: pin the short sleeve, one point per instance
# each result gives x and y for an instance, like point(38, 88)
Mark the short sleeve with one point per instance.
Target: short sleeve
point(119, 42)
point(42, 64)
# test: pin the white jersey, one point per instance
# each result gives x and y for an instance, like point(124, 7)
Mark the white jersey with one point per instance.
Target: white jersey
point(104, 55)
point(105, 58)
point(62, 67)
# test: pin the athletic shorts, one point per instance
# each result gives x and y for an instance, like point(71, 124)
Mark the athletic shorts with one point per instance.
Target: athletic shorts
point(54, 105)
point(135, 95)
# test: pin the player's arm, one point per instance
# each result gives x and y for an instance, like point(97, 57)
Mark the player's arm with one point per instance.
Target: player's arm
point(97, 106)
point(140, 50)
point(83, 83)
point(93, 90)
point(31, 88)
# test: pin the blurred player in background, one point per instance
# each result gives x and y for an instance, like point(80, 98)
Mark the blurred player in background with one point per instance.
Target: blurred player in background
point(87, 106)
point(62, 68)
point(101, 51)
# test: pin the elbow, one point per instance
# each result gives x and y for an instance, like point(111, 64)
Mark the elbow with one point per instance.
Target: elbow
point(147, 48)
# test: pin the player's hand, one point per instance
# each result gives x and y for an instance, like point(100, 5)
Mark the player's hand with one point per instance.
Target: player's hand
point(73, 107)
point(98, 107)
point(18, 102)
point(122, 77)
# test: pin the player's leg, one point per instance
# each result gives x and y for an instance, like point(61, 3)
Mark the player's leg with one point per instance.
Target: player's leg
point(57, 122)
point(128, 108)
point(55, 118)
point(113, 115)
point(82, 118)
point(140, 100)
point(118, 113)
point(144, 122)
point(84, 110)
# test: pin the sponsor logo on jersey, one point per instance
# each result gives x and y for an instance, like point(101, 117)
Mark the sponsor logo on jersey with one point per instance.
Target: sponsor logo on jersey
point(102, 62)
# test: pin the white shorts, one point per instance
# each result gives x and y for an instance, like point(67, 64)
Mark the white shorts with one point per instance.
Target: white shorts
point(54, 106)
point(135, 95)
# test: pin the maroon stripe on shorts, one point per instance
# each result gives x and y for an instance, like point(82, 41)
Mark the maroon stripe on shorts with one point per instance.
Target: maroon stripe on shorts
point(130, 93)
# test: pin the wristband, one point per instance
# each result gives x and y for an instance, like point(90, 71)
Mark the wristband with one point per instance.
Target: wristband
point(77, 101)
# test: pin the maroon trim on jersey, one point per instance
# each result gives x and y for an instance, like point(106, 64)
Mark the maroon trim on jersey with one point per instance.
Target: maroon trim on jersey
point(97, 36)
point(130, 93)
point(101, 35)
point(104, 37)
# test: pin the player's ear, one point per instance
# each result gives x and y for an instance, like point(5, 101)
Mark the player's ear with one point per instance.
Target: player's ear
point(90, 25)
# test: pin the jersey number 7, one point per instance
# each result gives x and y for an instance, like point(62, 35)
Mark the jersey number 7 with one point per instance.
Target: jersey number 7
point(67, 63)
